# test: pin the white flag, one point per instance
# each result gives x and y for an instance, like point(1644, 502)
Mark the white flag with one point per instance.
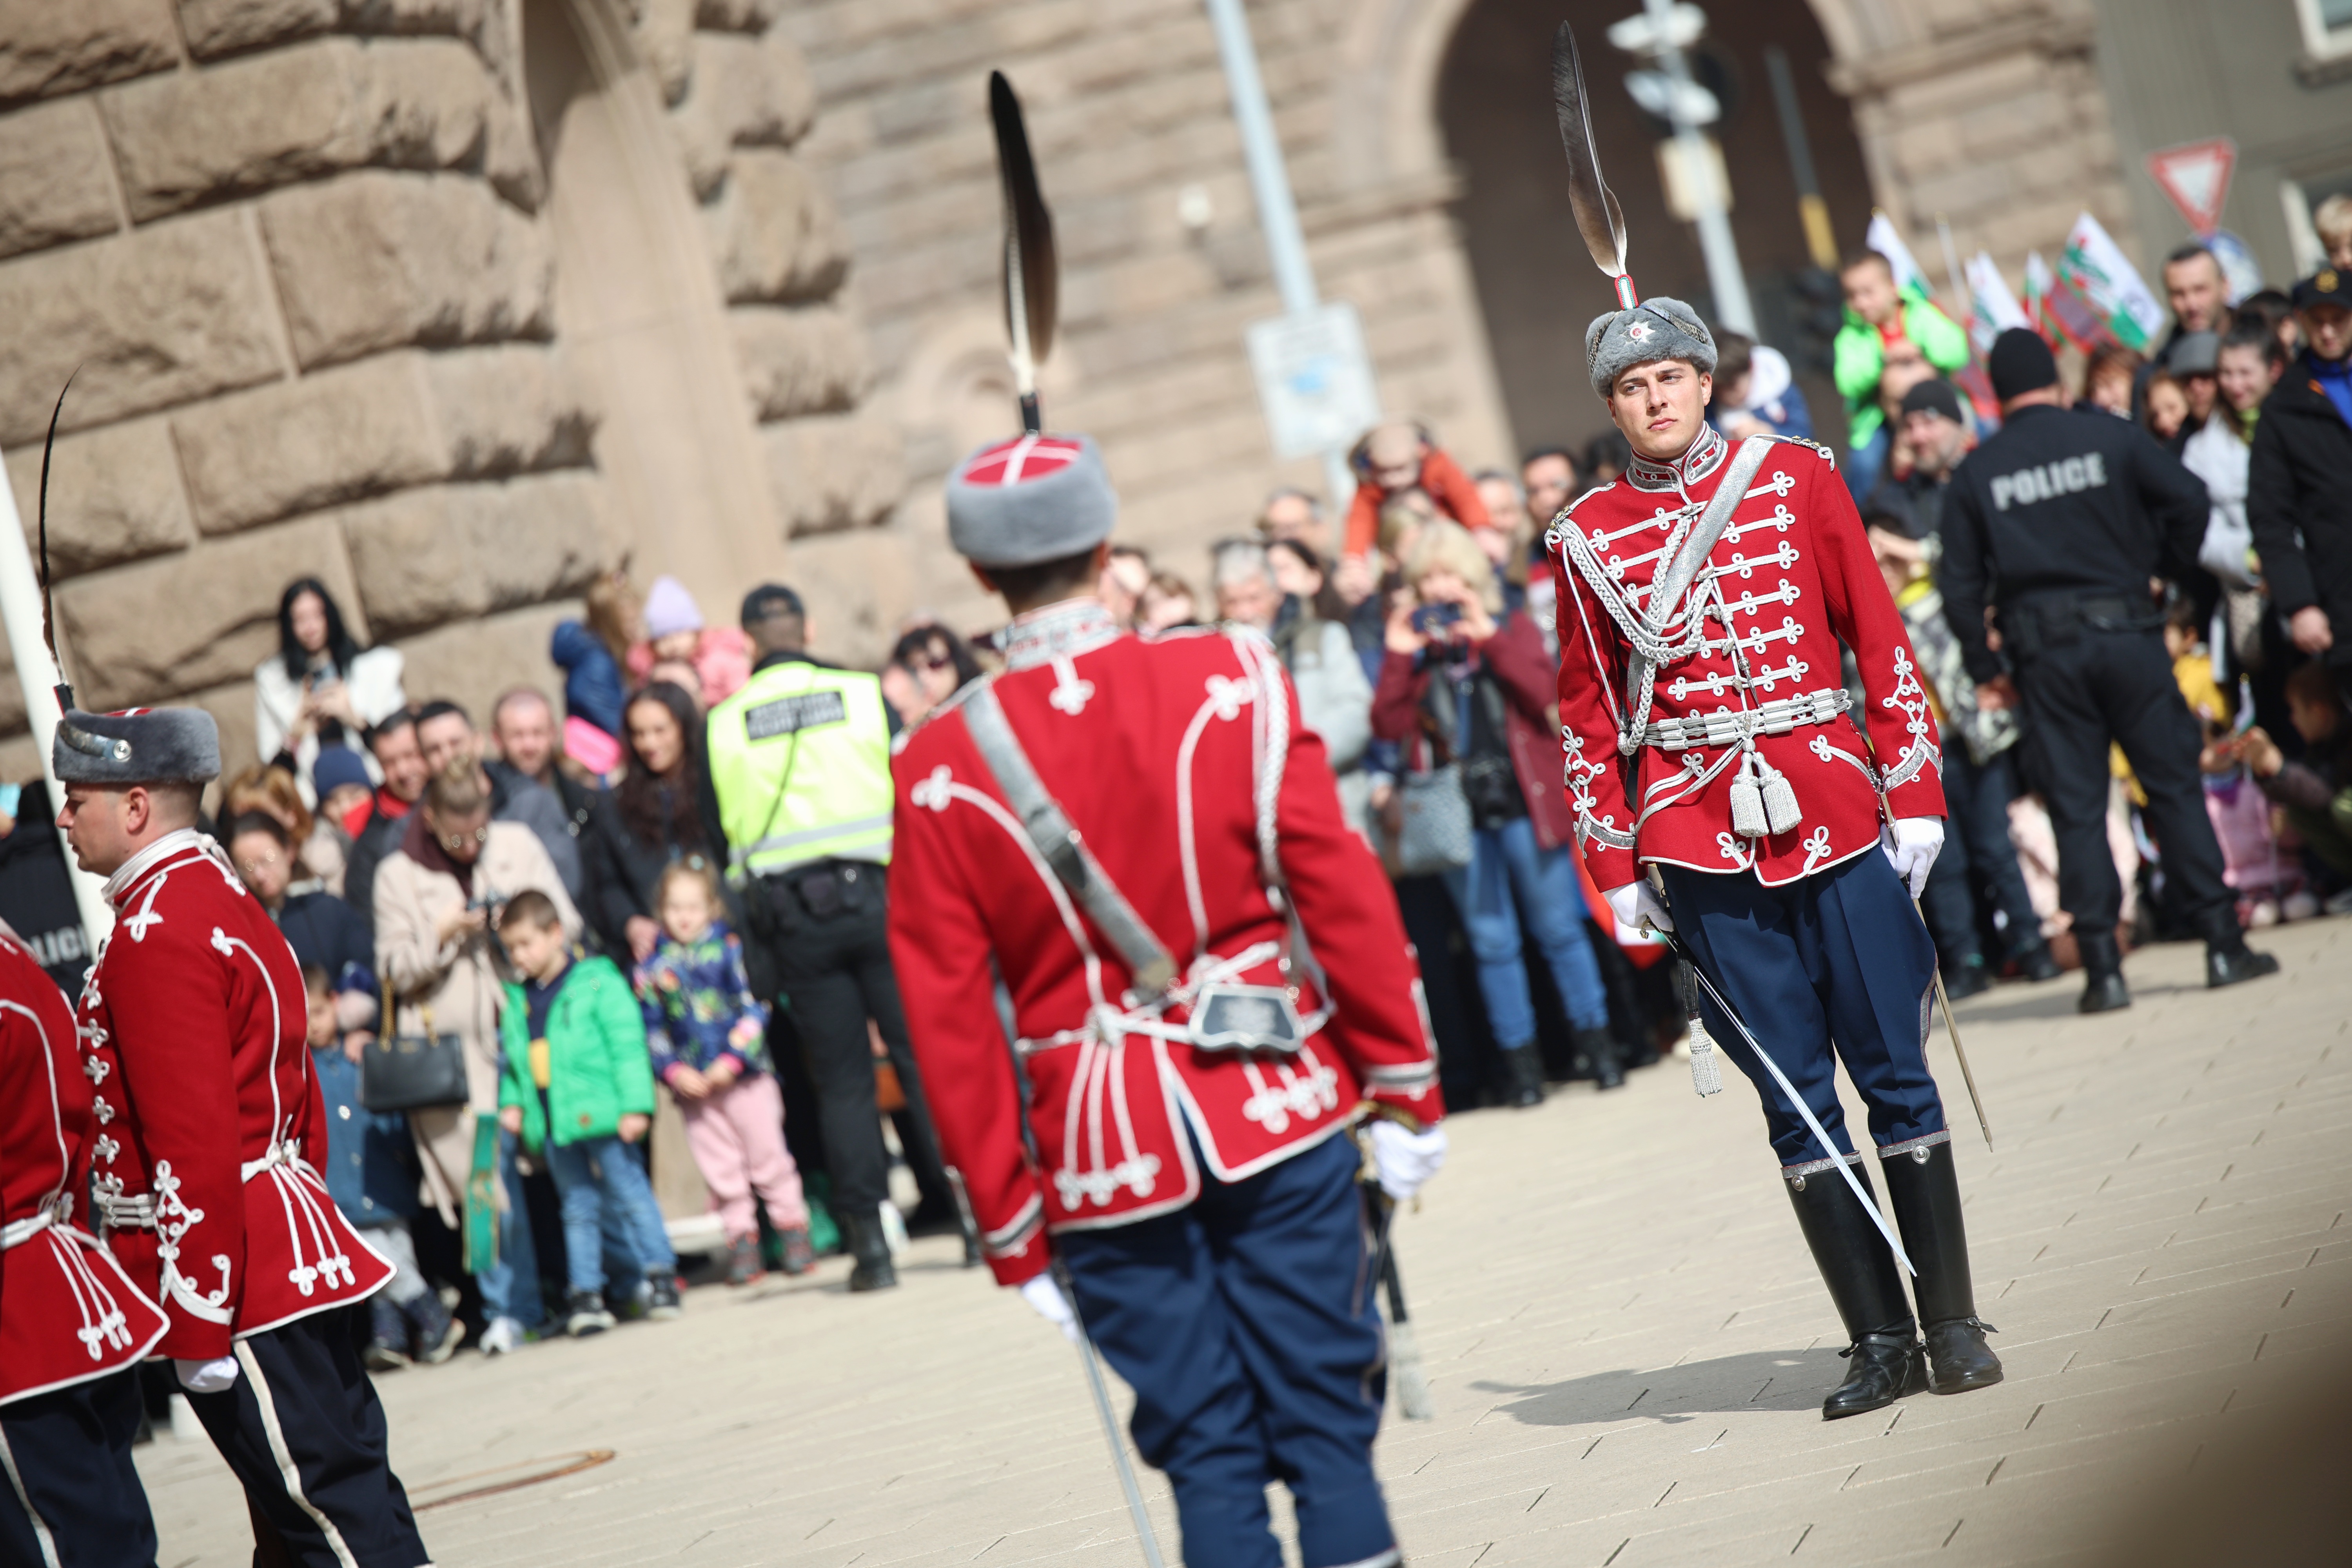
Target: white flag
point(2105, 278)
point(1992, 309)
point(1881, 238)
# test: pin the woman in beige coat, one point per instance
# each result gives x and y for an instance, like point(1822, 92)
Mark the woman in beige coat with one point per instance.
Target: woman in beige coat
point(443, 971)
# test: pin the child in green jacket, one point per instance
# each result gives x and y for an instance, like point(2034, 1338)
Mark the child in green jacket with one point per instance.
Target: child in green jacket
point(578, 1087)
point(1877, 313)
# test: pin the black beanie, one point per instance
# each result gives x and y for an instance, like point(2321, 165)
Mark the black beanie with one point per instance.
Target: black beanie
point(2021, 362)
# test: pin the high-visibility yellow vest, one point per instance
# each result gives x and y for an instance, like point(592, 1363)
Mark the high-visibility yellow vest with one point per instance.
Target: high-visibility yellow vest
point(800, 759)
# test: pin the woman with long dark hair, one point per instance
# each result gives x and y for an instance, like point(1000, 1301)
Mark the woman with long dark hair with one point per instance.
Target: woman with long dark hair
point(321, 689)
point(652, 818)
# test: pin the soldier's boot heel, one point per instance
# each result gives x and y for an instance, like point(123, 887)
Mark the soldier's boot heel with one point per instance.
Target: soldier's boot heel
point(1923, 1188)
point(1866, 1286)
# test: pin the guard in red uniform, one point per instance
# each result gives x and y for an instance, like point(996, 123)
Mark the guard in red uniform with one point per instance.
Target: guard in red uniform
point(71, 1323)
point(1709, 734)
point(1206, 976)
point(192, 1029)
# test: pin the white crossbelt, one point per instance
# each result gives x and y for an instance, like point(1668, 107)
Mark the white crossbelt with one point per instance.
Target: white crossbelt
point(17, 1232)
point(1730, 729)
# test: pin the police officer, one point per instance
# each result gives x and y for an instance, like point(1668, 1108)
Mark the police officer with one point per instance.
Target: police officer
point(2060, 521)
point(800, 775)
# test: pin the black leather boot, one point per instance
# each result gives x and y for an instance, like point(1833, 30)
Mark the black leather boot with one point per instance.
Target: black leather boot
point(1601, 1045)
point(1924, 1188)
point(2104, 990)
point(871, 1248)
point(2227, 959)
point(1523, 1083)
point(2036, 963)
point(1866, 1284)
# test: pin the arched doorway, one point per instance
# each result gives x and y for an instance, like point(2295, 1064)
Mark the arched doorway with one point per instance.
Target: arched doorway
point(1536, 287)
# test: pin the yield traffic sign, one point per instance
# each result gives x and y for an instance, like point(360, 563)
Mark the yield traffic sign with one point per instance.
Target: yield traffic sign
point(2195, 176)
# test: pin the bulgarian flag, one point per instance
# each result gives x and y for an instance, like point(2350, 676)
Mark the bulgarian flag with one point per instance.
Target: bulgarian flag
point(2058, 315)
point(1992, 309)
point(2098, 273)
point(1881, 238)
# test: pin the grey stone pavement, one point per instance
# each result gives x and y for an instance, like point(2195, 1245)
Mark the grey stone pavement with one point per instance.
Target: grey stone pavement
point(1626, 1340)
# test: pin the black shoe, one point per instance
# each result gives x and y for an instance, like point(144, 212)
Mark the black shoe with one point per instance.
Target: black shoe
point(2104, 990)
point(934, 1218)
point(584, 1314)
point(1922, 1189)
point(1523, 1077)
point(871, 1248)
point(1968, 979)
point(1957, 1357)
point(433, 1332)
point(387, 1347)
point(1880, 1370)
point(661, 1294)
point(2037, 964)
point(1865, 1283)
point(1608, 1070)
point(2228, 966)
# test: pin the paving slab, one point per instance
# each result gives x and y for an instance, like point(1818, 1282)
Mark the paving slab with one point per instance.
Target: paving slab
point(1626, 1342)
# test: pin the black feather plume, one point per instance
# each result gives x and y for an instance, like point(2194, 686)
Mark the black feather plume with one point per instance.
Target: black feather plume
point(48, 615)
point(1032, 273)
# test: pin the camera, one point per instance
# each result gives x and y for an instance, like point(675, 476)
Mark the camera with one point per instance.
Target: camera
point(1430, 618)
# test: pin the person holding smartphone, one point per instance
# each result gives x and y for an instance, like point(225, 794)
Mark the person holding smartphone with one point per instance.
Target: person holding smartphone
point(321, 689)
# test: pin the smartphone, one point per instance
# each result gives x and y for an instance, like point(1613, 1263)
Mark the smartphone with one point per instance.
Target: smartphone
point(1429, 618)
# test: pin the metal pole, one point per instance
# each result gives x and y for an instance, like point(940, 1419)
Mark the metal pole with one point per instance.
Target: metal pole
point(20, 607)
point(1821, 240)
point(1724, 278)
point(1277, 211)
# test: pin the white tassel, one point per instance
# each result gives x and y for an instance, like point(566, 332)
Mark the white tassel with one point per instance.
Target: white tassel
point(1780, 807)
point(1707, 1073)
point(1746, 801)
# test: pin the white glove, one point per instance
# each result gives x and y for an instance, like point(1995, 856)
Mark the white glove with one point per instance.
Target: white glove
point(1638, 901)
point(1046, 1297)
point(205, 1376)
point(1405, 1160)
point(1911, 845)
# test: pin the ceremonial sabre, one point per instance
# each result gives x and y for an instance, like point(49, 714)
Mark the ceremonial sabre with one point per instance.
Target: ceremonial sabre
point(1032, 274)
point(1952, 1028)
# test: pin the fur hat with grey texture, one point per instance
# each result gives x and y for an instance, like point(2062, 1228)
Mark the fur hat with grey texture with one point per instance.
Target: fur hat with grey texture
point(1653, 330)
point(137, 746)
point(1030, 499)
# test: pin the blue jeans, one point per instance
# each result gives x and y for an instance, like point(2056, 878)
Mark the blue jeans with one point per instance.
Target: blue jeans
point(1508, 864)
point(509, 1287)
point(599, 1178)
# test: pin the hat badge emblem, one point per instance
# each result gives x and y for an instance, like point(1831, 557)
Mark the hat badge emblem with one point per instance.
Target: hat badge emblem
point(2326, 282)
point(1638, 331)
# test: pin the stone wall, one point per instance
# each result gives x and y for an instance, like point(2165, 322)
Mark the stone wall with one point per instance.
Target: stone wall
point(304, 264)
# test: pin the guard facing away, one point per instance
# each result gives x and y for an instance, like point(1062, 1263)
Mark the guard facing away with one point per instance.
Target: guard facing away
point(193, 1026)
point(72, 1326)
point(1206, 976)
point(2059, 521)
point(1703, 600)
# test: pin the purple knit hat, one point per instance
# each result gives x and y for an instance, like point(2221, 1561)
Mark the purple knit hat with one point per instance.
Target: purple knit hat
point(670, 608)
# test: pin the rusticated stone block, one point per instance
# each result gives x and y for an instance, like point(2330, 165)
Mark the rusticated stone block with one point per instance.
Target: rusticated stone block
point(374, 260)
point(52, 178)
point(746, 92)
point(359, 431)
point(296, 114)
point(775, 233)
point(153, 318)
point(216, 28)
point(114, 496)
point(49, 47)
point(807, 361)
point(294, 446)
point(665, 38)
point(180, 623)
point(449, 553)
point(833, 471)
point(472, 662)
point(860, 588)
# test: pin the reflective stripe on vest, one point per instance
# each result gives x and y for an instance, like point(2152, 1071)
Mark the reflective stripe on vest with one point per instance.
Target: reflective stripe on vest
point(800, 759)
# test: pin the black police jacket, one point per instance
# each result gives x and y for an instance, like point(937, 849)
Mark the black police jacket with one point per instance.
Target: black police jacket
point(2060, 501)
point(2299, 500)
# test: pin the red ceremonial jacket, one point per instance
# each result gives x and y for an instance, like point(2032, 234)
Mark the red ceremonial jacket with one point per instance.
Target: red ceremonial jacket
point(68, 1312)
point(1157, 751)
point(1791, 576)
point(195, 1024)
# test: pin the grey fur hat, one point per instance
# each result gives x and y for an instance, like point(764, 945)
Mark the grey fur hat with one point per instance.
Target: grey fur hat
point(137, 746)
point(1030, 499)
point(1653, 330)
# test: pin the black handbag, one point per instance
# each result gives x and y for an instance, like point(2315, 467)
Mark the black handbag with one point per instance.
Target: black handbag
point(413, 1072)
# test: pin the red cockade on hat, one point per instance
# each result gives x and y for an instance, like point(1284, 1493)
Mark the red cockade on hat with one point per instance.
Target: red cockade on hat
point(1021, 459)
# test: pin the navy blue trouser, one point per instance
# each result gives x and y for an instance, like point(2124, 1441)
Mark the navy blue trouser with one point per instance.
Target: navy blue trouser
point(301, 1428)
point(1245, 1325)
point(1831, 967)
point(71, 1494)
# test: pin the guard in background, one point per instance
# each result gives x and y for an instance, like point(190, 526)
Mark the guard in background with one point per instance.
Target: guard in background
point(72, 1326)
point(1703, 600)
point(194, 1029)
point(2060, 522)
point(1144, 843)
point(800, 775)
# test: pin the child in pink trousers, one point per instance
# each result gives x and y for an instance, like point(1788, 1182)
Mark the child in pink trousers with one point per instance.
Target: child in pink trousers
point(709, 1039)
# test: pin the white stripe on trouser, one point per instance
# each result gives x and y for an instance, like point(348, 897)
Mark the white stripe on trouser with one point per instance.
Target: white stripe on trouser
point(278, 1451)
point(40, 1525)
